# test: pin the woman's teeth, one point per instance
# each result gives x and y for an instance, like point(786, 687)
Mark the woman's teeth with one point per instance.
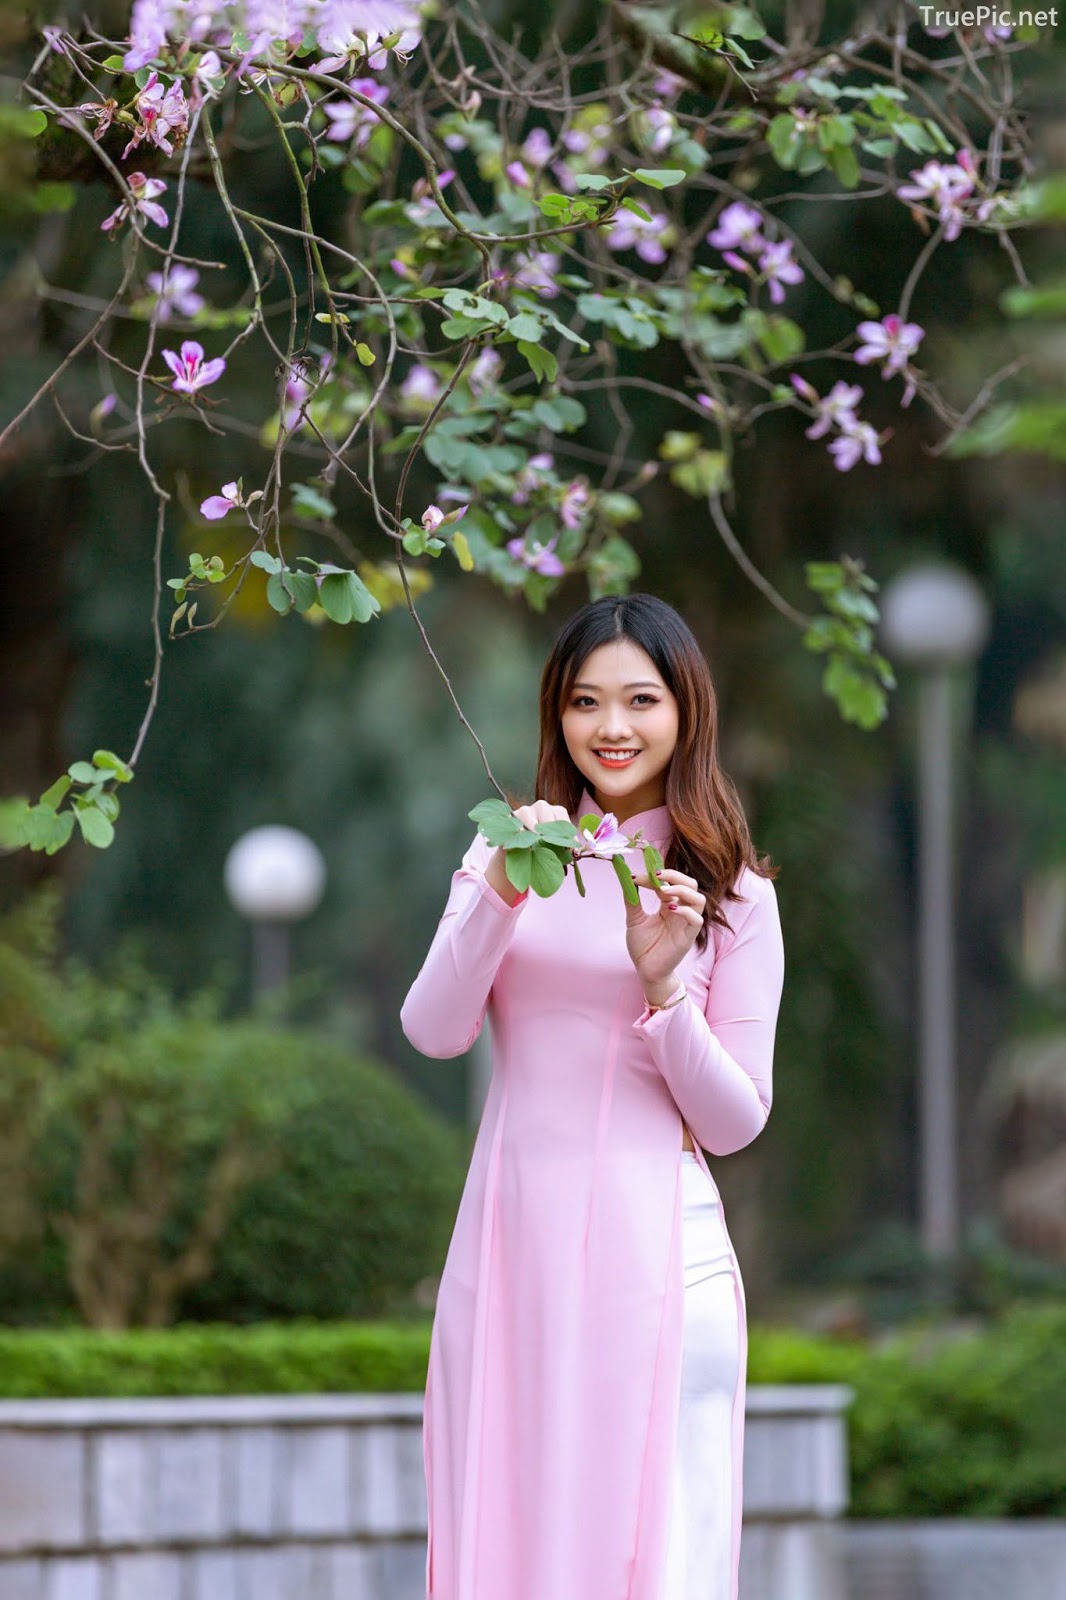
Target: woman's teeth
point(620, 758)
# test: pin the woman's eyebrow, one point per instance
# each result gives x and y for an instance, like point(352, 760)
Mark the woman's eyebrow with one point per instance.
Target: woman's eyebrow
point(645, 684)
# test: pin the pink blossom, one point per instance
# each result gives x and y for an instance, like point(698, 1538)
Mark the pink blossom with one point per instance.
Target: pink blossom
point(608, 839)
point(352, 120)
point(537, 272)
point(355, 32)
point(837, 409)
point(667, 84)
point(102, 110)
point(485, 371)
point(420, 388)
point(857, 441)
point(218, 505)
point(944, 185)
point(529, 476)
point(738, 262)
point(191, 372)
point(659, 128)
point(432, 517)
point(738, 229)
point(630, 232)
point(890, 340)
point(517, 174)
point(144, 191)
point(149, 22)
point(536, 148)
point(539, 557)
point(163, 110)
point(53, 37)
point(175, 291)
point(574, 504)
point(778, 267)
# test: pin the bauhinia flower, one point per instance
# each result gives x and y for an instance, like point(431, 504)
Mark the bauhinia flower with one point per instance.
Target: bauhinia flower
point(536, 148)
point(517, 174)
point(608, 839)
point(175, 291)
point(857, 441)
point(163, 110)
point(537, 271)
point(421, 388)
point(945, 185)
point(218, 505)
point(144, 191)
point(350, 120)
point(529, 476)
point(631, 232)
point(540, 557)
point(485, 371)
point(777, 266)
point(572, 507)
point(433, 517)
point(739, 228)
point(891, 340)
point(191, 372)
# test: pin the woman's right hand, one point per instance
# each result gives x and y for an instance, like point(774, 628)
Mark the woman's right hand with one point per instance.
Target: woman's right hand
point(528, 816)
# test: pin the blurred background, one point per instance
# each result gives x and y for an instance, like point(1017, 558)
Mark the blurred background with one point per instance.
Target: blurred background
point(283, 1151)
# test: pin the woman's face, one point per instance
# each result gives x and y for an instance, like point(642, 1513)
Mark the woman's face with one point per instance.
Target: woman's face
point(620, 702)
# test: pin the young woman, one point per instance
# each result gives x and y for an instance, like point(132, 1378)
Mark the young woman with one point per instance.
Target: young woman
point(584, 1408)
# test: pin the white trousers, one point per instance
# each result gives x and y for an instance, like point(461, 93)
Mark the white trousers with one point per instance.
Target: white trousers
point(707, 1479)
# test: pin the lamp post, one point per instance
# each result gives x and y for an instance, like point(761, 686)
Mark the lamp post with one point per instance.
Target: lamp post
point(935, 618)
point(274, 876)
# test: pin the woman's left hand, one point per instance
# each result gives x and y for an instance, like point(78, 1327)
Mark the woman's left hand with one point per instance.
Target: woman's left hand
point(658, 940)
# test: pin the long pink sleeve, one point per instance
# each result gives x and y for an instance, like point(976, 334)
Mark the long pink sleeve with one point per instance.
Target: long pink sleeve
point(718, 1062)
point(446, 1005)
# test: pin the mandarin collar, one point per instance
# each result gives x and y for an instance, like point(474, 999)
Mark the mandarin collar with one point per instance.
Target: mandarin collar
point(656, 822)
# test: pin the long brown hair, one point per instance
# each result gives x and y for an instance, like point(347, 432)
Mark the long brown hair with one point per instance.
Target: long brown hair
point(711, 841)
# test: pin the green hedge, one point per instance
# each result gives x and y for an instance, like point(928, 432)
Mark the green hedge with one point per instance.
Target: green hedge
point(970, 1426)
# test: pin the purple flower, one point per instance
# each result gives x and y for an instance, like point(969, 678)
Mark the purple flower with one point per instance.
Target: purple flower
point(485, 370)
point(890, 340)
point(837, 409)
point(658, 128)
point(738, 229)
point(537, 272)
point(517, 174)
point(536, 148)
point(608, 839)
point(857, 441)
point(420, 388)
point(175, 291)
point(539, 557)
point(529, 476)
point(944, 185)
point(191, 372)
point(574, 504)
point(144, 191)
point(163, 111)
point(778, 267)
point(432, 517)
point(356, 30)
point(350, 120)
point(217, 505)
point(631, 232)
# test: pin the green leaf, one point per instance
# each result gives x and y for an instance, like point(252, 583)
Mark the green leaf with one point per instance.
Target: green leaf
point(53, 795)
point(335, 599)
point(95, 828)
point(625, 878)
point(304, 589)
point(526, 326)
point(83, 772)
point(309, 501)
point(277, 594)
point(108, 761)
point(41, 828)
point(263, 558)
point(558, 831)
point(543, 362)
point(659, 177)
point(593, 180)
point(547, 871)
point(638, 210)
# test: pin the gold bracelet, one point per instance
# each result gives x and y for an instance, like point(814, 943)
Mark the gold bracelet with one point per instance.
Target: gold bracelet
point(676, 1001)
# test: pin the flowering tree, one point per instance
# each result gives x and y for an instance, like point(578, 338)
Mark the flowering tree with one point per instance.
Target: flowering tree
point(516, 235)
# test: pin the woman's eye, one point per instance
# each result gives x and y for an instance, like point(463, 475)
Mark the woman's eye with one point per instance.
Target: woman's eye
point(582, 698)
